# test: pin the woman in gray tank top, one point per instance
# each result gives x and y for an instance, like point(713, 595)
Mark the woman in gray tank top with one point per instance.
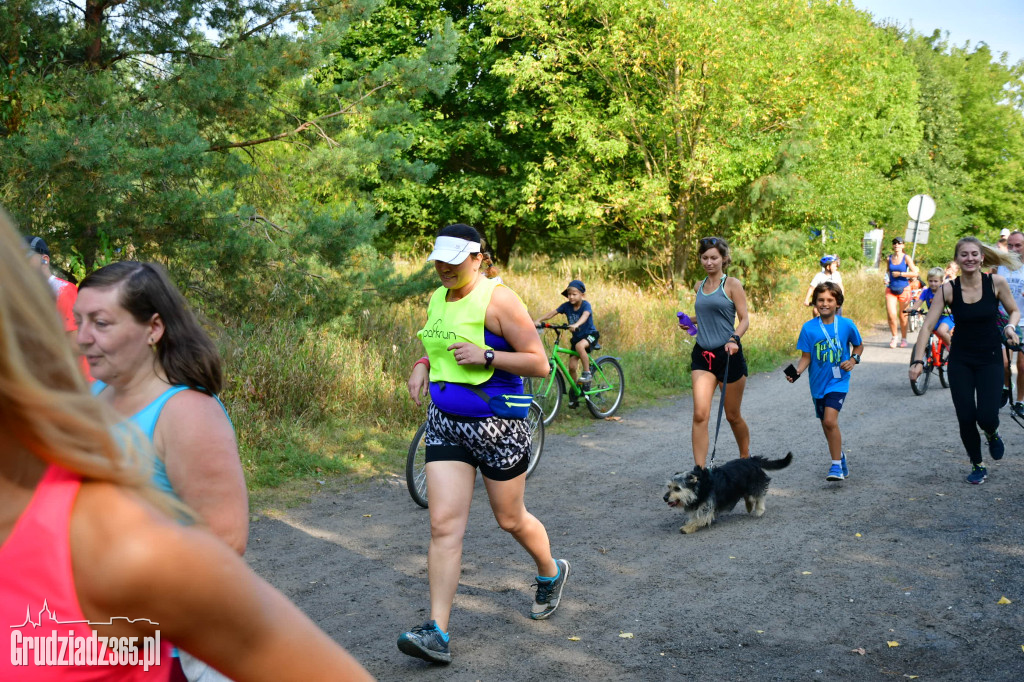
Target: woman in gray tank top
point(721, 311)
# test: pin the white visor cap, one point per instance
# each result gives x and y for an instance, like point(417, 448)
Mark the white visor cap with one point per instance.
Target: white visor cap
point(453, 250)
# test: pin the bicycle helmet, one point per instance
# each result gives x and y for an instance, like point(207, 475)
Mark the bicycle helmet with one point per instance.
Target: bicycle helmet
point(828, 260)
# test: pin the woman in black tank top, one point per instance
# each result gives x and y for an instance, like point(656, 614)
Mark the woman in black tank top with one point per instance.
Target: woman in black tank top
point(975, 357)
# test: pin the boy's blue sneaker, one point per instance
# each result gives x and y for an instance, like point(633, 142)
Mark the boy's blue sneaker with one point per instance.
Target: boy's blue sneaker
point(846, 469)
point(835, 473)
point(549, 592)
point(996, 448)
point(427, 642)
point(978, 475)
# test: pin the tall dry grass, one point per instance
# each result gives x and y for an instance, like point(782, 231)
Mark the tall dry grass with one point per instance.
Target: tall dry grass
point(312, 402)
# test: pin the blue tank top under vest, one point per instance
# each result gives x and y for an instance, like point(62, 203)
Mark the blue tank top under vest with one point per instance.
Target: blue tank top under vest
point(146, 419)
point(460, 400)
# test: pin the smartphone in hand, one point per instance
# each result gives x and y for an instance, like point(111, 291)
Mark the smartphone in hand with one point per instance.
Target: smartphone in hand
point(791, 372)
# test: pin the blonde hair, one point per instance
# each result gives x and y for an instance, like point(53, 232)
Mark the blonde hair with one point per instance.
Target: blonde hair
point(45, 404)
point(488, 267)
point(936, 272)
point(991, 255)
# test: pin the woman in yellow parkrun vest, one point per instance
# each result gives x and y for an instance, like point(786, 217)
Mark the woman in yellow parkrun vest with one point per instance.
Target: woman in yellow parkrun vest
point(479, 340)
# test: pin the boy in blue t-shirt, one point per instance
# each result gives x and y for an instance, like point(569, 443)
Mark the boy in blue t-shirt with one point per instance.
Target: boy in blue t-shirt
point(825, 343)
point(580, 317)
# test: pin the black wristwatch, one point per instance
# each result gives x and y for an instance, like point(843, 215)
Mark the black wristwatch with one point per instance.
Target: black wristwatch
point(488, 358)
point(916, 362)
point(856, 358)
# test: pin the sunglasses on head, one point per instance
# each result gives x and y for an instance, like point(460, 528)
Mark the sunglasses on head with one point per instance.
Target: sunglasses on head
point(710, 241)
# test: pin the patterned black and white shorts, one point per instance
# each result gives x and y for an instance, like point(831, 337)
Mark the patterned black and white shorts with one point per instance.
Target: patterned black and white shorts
point(500, 447)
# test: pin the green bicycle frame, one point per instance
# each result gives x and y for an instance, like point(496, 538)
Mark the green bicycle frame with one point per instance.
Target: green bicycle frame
point(571, 386)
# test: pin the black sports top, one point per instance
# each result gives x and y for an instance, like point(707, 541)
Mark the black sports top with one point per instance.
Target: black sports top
point(977, 336)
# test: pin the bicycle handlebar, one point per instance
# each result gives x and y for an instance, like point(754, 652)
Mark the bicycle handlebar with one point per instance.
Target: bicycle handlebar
point(558, 327)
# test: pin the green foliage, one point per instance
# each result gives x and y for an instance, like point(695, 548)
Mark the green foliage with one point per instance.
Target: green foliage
point(243, 156)
point(274, 155)
point(679, 115)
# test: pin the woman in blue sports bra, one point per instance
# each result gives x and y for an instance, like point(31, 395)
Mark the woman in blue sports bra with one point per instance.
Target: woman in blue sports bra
point(157, 367)
point(900, 269)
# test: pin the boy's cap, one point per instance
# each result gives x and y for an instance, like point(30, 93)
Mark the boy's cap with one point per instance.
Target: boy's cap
point(575, 284)
point(1004, 234)
point(37, 245)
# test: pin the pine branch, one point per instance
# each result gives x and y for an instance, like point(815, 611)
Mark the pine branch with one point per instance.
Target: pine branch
point(314, 123)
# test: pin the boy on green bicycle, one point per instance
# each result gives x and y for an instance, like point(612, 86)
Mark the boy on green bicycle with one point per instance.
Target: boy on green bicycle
point(580, 317)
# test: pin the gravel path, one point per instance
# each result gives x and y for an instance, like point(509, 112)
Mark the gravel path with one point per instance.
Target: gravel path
point(895, 573)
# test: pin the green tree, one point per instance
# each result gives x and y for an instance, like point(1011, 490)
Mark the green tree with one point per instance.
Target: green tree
point(216, 136)
point(682, 113)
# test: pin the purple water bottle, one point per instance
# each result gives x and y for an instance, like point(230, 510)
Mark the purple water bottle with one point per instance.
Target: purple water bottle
point(685, 321)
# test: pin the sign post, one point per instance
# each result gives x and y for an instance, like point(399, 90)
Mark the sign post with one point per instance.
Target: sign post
point(921, 208)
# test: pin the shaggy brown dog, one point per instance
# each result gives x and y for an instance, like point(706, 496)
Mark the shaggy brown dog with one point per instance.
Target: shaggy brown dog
point(703, 493)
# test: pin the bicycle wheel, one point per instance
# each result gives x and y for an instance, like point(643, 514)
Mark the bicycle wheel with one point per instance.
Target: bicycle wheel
point(606, 388)
point(547, 393)
point(416, 468)
point(921, 385)
point(915, 322)
point(944, 357)
point(536, 419)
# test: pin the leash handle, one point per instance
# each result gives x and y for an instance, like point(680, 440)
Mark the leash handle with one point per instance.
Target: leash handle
point(721, 410)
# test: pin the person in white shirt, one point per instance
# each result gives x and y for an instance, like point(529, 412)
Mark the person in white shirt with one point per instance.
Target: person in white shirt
point(1015, 278)
point(829, 273)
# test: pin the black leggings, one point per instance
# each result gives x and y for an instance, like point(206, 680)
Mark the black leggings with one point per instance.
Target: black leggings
point(976, 389)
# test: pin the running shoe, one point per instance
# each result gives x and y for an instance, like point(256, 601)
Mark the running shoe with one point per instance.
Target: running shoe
point(978, 475)
point(846, 469)
point(427, 642)
point(903, 343)
point(549, 592)
point(1018, 409)
point(835, 473)
point(895, 341)
point(585, 379)
point(996, 448)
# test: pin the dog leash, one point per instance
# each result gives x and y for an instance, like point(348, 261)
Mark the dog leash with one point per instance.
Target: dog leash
point(721, 408)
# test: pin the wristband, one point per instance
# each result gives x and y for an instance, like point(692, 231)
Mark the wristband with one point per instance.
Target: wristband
point(920, 362)
point(856, 358)
point(422, 361)
point(736, 338)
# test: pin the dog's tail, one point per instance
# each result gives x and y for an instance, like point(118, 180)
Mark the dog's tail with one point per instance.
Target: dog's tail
point(772, 464)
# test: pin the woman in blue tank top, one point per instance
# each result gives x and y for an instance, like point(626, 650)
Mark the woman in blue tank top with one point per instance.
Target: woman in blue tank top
point(156, 366)
point(900, 269)
point(721, 311)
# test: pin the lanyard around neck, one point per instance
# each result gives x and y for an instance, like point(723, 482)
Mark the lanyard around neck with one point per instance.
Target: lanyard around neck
point(835, 329)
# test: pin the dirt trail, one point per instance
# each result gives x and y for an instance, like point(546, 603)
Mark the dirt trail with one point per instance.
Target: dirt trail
point(905, 551)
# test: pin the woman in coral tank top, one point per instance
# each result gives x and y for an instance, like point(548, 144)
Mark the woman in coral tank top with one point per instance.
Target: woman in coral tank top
point(96, 577)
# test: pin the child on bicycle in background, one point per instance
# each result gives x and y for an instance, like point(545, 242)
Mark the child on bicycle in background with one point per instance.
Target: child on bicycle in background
point(580, 317)
point(825, 343)
point(945, 326)
point(829, 273)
